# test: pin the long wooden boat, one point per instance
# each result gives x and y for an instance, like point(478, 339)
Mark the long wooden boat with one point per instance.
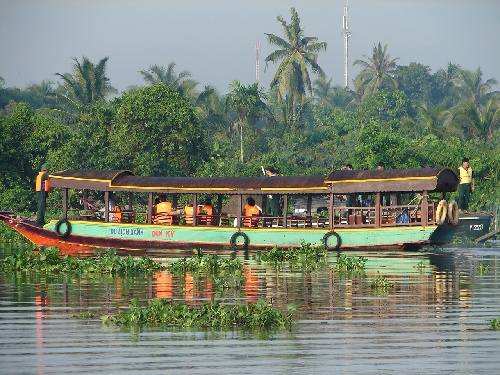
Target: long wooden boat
point(376, 225)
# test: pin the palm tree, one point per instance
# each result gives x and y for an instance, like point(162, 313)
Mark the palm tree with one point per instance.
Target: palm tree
point(480, 122)
point(86, 85)
point(432, 118)
point(472, 87)
point(296, 54)
point(179, 81)
point(327, 95)
point(323, 90)
point(247, 103)
point(377, 71)
point(210, 107)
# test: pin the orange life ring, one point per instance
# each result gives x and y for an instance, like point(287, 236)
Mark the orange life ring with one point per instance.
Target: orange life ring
point(441, 212)
point(453, 213)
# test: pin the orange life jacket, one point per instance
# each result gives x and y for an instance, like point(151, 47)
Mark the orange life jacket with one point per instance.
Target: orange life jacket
point(248, 213)
point(163, 208)
point(188, 214)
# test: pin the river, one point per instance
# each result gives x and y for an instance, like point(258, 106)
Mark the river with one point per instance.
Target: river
point(435, 319)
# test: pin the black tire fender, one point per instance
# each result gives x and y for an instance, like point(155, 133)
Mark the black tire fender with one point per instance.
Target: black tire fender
point(234, 238)
point(326, 239)
point(67, 232)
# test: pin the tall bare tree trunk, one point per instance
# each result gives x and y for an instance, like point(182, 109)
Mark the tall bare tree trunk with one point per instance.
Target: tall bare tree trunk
point(241, 141)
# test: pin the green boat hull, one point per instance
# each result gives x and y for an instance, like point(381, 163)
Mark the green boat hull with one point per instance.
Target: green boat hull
point(141, 236)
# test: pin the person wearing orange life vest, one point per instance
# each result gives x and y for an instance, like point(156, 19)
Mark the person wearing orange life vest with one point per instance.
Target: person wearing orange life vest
point(42, 187)
point(251, 212)
point(163, 211)
point(466, 185)
point(206, 210)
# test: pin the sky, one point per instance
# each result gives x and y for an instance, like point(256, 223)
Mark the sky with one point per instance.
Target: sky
point(215, 39)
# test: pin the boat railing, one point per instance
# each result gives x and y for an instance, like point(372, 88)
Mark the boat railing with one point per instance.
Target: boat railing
point(343, 217)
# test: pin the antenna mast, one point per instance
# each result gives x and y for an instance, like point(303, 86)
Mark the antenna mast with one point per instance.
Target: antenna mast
point(347, 35)
point(257, 61)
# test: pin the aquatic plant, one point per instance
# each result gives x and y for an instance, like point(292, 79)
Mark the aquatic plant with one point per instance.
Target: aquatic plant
point(420, 266)
point(8, 235)
point(482, 269)
point(350, 265)
point(495, 324)
point(85, 315)
point(380, 284)
point(259, 316)
point(223, 272)
point(50, 260)
point(305, 258)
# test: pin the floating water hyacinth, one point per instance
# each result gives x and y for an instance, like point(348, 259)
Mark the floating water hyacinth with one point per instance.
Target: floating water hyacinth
point(163, 313)
point(49, 260)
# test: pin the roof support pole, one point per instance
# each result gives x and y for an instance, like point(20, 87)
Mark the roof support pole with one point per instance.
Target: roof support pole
point(309, 205)
point(424, 209)
point(106, 206)
point(149, 214)
point(330, 209)
point(285, 210)
point(195, 208)
point(240, 206)
point(378, 211)
point(65, 203)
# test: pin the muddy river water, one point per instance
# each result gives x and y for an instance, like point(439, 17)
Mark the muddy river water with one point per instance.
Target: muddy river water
point(434, 319)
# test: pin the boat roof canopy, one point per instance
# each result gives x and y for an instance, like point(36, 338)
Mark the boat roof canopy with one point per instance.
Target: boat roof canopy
point(355, 181)
point(126, 181)
point(418, 179)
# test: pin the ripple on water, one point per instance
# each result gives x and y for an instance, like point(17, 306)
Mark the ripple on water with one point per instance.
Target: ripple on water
point(433, 319)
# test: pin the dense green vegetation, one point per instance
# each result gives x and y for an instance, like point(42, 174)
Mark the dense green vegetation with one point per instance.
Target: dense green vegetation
point(495, 324)
point(50, 261)
point(398, 115)
point(306, 258)
point(260, 316)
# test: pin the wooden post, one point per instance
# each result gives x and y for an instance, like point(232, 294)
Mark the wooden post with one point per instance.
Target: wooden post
point(65, 203)
point(150, 208)
point(424, 214)
point(378, 211)
point(85, 199)
point(218, 205)
point(285, 210)
point(309, 205)
point(330, 209)
point(238, 217)
point(264, 205)
point(106, 206)
point(195, 208)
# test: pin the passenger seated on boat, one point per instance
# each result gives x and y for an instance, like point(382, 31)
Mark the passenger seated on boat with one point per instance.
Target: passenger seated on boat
point(251, 212)
point(115, 212)
point(206, 212)
point(163, 211)
point(188, 213)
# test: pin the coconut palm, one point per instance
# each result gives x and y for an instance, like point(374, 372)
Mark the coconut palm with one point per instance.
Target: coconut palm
point(295, 54)
point(331, 96)
point(323, 90)
point(179, 81)
point(477, 121)
point(377, 71)
point(86, 85)
point(247, 104)
point(472, 87)
point(210, 108)
point(432, 119)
